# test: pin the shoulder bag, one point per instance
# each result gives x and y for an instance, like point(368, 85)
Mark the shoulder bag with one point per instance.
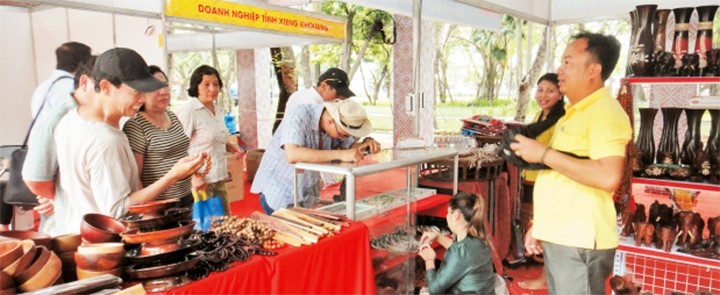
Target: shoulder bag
point(16, 192)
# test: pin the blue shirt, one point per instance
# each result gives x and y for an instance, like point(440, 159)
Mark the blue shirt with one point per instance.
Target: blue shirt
point(275, 175)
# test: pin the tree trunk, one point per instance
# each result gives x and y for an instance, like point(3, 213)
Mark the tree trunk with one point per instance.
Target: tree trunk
point(284, 66)
point(305, 73)
point(347, 46)
point(529, 79)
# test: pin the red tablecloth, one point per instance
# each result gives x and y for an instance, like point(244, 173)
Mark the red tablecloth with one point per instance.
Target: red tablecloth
point(249, 277)
point(336, 265)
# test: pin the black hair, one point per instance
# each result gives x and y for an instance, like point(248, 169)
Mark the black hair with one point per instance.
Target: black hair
point(559, 106)
point(153, 69)
point(197, 77)
point(70, 54)
point(84, 68)
point(604, 49)
point(472, 208)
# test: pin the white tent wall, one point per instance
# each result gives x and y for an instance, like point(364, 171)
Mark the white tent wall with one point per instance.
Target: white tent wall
point(17, 74)
point(29, 40)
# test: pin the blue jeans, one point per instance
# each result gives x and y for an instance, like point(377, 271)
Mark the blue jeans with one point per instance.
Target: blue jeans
point(265, 205)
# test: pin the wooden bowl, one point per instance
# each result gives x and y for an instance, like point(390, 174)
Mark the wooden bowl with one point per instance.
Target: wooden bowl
point(47, 276)
point(40, 239)
point(9, 252)
point(183, 265)
point(98, 228)
point(99, 261)
point(67, 258)
point(145, 222)
point(101, 248)
point(134, 256)
point(42, 255)
point(22, 263)
point(67, 242)
point(154, 206)
point(137, 237)
point(6, 281)
point(86, 274)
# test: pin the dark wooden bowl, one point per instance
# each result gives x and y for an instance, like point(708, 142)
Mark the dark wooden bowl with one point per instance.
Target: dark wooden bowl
point(145, 222)
point(99, 261)
point(137, 237)
point(99, 228)
point(134, 256)
point(186, 263)
point(154, 206)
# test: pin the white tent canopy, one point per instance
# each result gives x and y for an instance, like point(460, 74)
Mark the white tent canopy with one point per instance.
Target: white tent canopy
point(575, 11)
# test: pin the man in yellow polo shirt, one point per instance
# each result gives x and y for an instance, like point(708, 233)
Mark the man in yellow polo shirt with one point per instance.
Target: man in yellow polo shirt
point(574, 224)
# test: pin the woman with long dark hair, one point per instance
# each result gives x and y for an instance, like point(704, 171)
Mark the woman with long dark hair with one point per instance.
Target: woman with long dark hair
point(467, 265)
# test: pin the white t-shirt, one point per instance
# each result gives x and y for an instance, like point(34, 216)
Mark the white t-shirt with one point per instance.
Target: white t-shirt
point(97, 168)
point(55, 96)
point(300, 97)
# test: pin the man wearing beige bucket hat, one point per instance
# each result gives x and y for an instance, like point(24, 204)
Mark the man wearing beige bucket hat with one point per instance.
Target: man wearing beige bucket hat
point(313, 133)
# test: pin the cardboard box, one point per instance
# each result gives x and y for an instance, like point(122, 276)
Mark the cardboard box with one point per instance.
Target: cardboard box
point(253, 162)
point(235, 183)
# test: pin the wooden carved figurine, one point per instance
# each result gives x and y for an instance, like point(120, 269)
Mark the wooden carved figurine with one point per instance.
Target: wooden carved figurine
point(665, 238)
point(660, 215)
point(629, 219)
point(691, 226)
point(644, 233)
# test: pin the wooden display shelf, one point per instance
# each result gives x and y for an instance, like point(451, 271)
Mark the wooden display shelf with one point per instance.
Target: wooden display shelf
point(676, 184)
point(672, 80)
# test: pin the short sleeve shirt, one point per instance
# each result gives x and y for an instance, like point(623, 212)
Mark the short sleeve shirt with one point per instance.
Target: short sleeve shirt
point(275, 175)
point(566, 212)
point(161, 149)
point(207, 133)
point(97, 168)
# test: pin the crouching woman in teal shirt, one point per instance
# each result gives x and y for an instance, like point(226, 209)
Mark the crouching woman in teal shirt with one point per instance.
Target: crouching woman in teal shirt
point(467, 265)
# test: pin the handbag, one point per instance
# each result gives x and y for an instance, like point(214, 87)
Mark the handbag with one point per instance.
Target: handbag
point(206, 209)
point(16, 192)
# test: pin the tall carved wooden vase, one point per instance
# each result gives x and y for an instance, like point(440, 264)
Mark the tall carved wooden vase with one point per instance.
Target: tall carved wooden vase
point(682, 38)
point(692, 143)
point(712, 149)
point(703, 41)
point(669, 150)
point(645, 144)
point(643, 45)
point(663, 61)
point(633, 32)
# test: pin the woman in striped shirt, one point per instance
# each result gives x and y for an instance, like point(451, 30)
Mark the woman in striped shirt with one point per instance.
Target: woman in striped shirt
point(158, 141)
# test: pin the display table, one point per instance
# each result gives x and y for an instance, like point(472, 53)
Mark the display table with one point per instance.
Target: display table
point(340, 264)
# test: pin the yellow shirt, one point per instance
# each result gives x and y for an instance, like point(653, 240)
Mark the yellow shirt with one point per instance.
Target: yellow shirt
point(544, 138)
point(566, 212)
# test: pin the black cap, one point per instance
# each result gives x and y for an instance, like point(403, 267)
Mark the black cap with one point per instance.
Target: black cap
point(129, 67)
point(337, 79)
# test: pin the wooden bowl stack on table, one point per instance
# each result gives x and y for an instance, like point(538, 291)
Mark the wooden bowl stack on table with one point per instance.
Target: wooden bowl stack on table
point(158, 248)
point(24, 266)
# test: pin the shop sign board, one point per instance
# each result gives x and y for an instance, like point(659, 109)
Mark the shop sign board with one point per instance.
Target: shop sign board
point(255, 17)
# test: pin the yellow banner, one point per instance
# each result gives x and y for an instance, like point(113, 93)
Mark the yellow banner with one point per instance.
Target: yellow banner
point(255, 17)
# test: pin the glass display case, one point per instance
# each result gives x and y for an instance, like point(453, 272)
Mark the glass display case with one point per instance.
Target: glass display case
point(676, 117)
point(382, 192)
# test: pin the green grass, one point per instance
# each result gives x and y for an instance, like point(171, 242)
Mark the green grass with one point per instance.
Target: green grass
point(447, 116)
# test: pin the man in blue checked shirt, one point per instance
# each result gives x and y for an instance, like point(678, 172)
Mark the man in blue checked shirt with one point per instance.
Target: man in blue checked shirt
point(311, 133)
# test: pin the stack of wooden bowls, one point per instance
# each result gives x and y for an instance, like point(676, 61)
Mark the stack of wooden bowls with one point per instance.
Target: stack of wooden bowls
point(27, 267)
point(97, 259)
point(65, 247)
point(157, 244)
point(102, 250)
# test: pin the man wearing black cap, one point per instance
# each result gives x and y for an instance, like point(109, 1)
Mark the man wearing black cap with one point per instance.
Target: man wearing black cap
point(332, 84)
point(97, 167)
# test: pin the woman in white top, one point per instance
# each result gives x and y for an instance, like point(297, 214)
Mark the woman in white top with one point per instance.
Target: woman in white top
point(206, 128)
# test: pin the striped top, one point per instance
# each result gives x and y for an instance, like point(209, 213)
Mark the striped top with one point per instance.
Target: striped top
point(161, 149)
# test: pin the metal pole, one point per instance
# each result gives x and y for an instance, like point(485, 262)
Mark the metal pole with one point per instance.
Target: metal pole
point(417, 23)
